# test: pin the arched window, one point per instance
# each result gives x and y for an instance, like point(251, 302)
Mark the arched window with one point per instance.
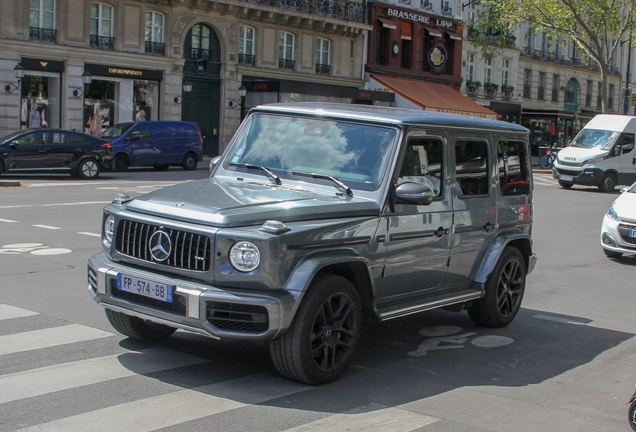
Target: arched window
point(202, 44)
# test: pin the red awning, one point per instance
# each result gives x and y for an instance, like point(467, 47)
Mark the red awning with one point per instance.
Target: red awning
point(433, 31)
point(387, 23)
point(433, 96)
point(453, 35)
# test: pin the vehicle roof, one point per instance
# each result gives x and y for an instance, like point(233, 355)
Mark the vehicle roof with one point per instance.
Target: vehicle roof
point(23, 131)
point(611, 122)
point(390, 115)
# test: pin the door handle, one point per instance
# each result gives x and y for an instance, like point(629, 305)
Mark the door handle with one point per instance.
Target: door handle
point(42, 151)
point(489, 227)
point(441, 231)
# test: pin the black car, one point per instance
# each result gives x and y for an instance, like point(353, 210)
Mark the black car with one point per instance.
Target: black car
point(55, 150)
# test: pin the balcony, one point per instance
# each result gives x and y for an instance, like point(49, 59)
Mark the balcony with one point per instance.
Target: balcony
point(103, 42)
point(324, 69)
point(340, 9)
point(199, 54)
point(246, 59)
point(286, 64)
point(155, 48)
point(42, 34)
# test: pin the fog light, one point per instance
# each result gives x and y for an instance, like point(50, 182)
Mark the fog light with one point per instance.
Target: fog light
point(609, 240)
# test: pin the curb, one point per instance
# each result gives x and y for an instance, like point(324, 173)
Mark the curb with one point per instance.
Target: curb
point(9, 183)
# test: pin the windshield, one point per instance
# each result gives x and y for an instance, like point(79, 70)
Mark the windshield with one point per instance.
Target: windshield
point(9, 137)
point(355, 153)
point(594, 138)
point(116, 131)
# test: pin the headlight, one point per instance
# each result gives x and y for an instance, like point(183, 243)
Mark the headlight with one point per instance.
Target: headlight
point(611, 213)
point(245, 256)
point(109, 231)
point(592, 161)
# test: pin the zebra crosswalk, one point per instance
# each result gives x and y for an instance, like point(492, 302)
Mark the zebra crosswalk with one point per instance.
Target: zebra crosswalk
point(156, 387)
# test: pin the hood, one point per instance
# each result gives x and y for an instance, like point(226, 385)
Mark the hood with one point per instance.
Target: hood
point(229, 204)
point(625, 206)
point(579, 154)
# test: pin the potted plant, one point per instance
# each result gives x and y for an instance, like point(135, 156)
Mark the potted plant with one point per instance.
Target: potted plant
point(490, 88)
point(506, 91)
point(472, 86)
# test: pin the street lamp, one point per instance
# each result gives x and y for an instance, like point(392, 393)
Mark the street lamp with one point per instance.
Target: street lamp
point(242, 91)
point(18, 71)
point(187, 88)
point(87, 78)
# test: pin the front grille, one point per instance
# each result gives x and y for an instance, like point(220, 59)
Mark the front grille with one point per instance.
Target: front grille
point(177, 307)
point(568, 172)
point(189, 251)
point(573, 164)
point(237, 317)
point(623, 230)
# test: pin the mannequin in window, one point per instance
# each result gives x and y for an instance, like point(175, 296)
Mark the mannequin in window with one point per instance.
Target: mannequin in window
point(34, 116)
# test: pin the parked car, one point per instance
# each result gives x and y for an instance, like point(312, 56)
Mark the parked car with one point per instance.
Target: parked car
point(318, 217)
point(55, 150)
point(159, 144)
point(618, 232)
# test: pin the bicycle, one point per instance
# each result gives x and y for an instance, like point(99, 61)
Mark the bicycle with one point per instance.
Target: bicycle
point(548, 158)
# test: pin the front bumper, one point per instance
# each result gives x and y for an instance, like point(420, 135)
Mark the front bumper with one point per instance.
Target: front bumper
point(615, 238)
point(585, 176)
point(212, 311)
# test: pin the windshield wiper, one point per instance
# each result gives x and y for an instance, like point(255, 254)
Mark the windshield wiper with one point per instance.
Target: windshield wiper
point(259, 167)
point(347, 190)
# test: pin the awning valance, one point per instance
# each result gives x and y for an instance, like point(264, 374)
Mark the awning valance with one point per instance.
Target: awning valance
point(433, 31)
point(387, 23)
point(453, 35)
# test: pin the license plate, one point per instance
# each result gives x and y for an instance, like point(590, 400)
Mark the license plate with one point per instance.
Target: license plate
point(566, 178)
point(631, 233)
point(145, 287)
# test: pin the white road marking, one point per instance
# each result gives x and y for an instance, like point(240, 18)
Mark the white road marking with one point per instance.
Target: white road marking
point(36, 339)
point(54, 205)
point(9, 312)
point(556, 319)
point(108, 188)
point(491, 341)
point(8, 221)
point(181, 406)
point(373, 417)
point(51, 251)
point(37, 382)
point(89, 234)
point(47, 227)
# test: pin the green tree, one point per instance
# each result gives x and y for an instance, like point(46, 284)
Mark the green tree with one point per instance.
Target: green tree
point(597, 27)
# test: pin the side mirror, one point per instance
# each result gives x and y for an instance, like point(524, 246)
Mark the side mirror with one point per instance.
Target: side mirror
point(214, 162)
point(618, 150)
point(413, 193)
point(14, 143)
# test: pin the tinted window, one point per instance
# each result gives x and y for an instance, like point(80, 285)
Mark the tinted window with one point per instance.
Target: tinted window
point(626, 140)
point(67, 138)
point(423, 164)
point(116, 131)
point(175, 130)
point(143, 130)
point(471, 167)
point(39, 137)
point(514, 171)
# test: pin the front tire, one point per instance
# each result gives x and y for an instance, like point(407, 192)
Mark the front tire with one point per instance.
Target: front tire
point(565, 185)
point(320, 344)
point(88, 169)
point(121, 162)
point(190, 162)
point(631, 415)
point(504, 291)
point(608, 183)
point(136, 328)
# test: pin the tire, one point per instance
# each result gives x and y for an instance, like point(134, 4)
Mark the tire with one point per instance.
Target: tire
point(1, 168)
point(88, 169)
point(608, 183)
point(631, 415)
point(320, 344)
point(190, 162)
point(612, 254)
point(504, 291)
point(544, 161)
point(136, 328)
point(565, 185)
point(121, 162)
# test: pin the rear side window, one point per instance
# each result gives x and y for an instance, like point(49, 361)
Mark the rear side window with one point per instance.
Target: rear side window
point(514, 168)
point(171, 130)
point(471, 167)
point(67, 138)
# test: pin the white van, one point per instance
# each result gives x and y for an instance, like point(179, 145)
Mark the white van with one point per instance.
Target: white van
point(602, 154)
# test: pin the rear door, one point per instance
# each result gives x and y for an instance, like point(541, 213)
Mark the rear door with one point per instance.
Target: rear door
point(66, 147)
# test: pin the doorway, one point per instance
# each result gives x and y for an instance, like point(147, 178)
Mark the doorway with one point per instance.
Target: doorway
point(201, 106)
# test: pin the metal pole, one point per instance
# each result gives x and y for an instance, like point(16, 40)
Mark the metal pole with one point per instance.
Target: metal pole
point(629, 61)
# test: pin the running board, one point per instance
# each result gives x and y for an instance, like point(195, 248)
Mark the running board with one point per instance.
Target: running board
point(384, 316)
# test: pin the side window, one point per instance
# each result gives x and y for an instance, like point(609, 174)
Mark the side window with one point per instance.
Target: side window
point(627, 143)
point(513, 165)
point(35, 138)
point(471, 167)
point(144, 130)
point(67, 138)
point(423, 164)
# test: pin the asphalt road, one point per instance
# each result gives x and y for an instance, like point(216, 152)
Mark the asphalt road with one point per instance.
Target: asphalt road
point(566, 363)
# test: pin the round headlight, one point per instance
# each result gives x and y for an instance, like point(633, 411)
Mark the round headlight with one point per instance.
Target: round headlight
point(108, 231)
point(245, 256)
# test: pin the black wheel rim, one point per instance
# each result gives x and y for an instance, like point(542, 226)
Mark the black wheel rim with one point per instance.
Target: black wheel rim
point(333, 333)
point(510, 288)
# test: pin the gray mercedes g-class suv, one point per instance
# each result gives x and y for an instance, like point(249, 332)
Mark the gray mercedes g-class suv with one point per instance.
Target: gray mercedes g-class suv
point(320, 216)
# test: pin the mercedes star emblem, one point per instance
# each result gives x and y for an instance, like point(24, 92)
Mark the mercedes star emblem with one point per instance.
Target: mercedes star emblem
point(160, 246)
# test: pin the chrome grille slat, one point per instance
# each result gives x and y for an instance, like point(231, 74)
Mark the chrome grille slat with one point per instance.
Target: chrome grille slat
point(189, 250)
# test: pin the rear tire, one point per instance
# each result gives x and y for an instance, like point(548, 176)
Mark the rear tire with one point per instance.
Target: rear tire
point(88, 169)
point(504, 291)
point(608, 183)
point(612, 254)
point(320, 344)
point(631, 415)
point(121, 162)
point(136, 328)
point(565, 185)
point(190, 162)
point(1, 168)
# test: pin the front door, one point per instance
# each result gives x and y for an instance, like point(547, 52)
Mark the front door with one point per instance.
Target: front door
point(201, 106)
point(30, 151)
point(417, 240)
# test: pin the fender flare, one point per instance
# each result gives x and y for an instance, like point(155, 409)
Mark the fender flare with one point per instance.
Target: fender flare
point(499, 244)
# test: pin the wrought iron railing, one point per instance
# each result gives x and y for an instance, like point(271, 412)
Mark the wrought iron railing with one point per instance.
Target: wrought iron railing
point(246, 59)
point(103, 42)
point(323, 68)
point(199, 54)
point(341, 9)
point(42, 34)
point(286, 64)
point(155, 48)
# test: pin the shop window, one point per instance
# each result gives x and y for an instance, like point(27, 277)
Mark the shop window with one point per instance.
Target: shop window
point(286, 51)
point(323, 53)
point(154, 33)
point(102, 26)
point(99, 106)
point(39, 105)
point(513, 164)
point(145, 94)
point(42, 20)
point(246, 45)
point(471, 167)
